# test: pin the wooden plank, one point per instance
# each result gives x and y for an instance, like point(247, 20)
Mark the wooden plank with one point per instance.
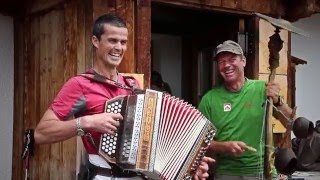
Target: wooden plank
point(82, 65)
point(262, 6)
point(44, 151)
point(217, 6)
point(81, 38)
point(231, 4)
point(275, 8)
point(33, 87)
point(125, 9)
point(143, 39)
point(20, 29)
point(283, 81)
point(57, 67)
point(68, 151)
point(205, 2)
point(101, 7)
point(252, 65)
point(267, 30)
point(38, 6)
point(88, 33)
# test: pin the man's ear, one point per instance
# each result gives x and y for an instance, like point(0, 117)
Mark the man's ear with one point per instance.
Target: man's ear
point(95, 41)
point(244, 61)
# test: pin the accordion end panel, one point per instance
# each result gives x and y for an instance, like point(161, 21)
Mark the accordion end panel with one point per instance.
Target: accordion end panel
point(198, 152)
point(109, 144)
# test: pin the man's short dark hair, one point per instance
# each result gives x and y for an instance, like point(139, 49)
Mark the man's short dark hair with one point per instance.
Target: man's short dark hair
point(98, 27)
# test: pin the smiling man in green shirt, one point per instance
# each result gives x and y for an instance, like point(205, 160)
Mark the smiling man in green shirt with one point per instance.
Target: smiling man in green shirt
point(236, 108)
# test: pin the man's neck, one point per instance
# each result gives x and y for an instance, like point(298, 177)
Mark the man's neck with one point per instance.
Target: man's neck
point(235, 86)
point(110, 73)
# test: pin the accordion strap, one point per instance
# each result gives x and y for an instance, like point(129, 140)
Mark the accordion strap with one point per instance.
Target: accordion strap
point(130, 81)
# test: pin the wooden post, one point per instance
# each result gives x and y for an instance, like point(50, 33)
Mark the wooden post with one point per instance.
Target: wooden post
point(275, 45)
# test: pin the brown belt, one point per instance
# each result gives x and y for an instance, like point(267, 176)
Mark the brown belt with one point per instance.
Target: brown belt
point(113, 172)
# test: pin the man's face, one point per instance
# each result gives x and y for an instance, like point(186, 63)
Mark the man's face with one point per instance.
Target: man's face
point(112, 45)
point(231, 66)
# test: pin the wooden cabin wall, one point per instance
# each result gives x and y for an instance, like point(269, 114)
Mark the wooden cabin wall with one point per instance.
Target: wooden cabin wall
point(51, 45)
point(274, 8)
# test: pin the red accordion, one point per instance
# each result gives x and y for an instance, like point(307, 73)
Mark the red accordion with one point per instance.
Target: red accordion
point(160, 136)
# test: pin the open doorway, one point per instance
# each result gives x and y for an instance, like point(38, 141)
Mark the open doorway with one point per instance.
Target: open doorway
point(183, 41)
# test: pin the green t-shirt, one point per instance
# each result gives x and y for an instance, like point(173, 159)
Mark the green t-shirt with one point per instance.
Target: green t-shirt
point(238, 116)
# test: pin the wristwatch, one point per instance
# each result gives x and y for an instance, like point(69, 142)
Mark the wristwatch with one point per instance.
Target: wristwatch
point(280, 101)
point(80, 131)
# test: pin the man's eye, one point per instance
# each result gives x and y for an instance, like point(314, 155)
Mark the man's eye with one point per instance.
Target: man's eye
point(220, 62)
point(113, 40)
point(123, 42)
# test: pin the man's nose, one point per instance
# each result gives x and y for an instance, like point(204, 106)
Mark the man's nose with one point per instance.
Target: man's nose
point(227, 63)
point(117, 45)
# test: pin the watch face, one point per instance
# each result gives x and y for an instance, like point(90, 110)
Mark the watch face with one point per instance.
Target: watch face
point(281, 100)
point(80, 132)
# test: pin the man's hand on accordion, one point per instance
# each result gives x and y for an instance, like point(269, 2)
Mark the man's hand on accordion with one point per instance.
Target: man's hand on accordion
point(202, 171)
point(103, 122)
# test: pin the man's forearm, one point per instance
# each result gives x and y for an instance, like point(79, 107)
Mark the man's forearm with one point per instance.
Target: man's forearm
point(52, 131)
point(217, 147)
point(285, 116)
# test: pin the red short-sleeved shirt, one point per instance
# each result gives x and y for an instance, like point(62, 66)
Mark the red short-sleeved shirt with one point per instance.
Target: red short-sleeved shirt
point(82, 96)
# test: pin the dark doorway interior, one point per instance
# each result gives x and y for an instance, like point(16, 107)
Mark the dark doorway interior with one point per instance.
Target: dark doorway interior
point(183, 40)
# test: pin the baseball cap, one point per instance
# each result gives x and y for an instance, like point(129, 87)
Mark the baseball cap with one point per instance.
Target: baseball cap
point(228, 46)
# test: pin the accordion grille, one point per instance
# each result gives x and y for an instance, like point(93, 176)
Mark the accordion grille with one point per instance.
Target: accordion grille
point(180, 126)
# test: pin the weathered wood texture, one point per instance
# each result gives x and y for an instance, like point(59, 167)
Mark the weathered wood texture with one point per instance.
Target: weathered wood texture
point(52, 48)
point(274, 8)
point(19, 123)
point(143, 39)
point(267, 30)
point(297, 9)
point(281, 134)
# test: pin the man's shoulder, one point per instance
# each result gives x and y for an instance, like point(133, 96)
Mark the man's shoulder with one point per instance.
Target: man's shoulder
point(213, 91)
point(79, 79)
point(256, 83)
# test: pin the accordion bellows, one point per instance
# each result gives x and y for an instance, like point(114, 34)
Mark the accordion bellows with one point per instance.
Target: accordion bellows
point(160, 136)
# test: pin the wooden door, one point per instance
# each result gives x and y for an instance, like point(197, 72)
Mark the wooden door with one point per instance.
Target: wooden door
point(50, 49)
point(53, 44)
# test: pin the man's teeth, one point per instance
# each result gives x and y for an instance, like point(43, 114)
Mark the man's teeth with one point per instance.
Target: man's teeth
point(116, 55)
